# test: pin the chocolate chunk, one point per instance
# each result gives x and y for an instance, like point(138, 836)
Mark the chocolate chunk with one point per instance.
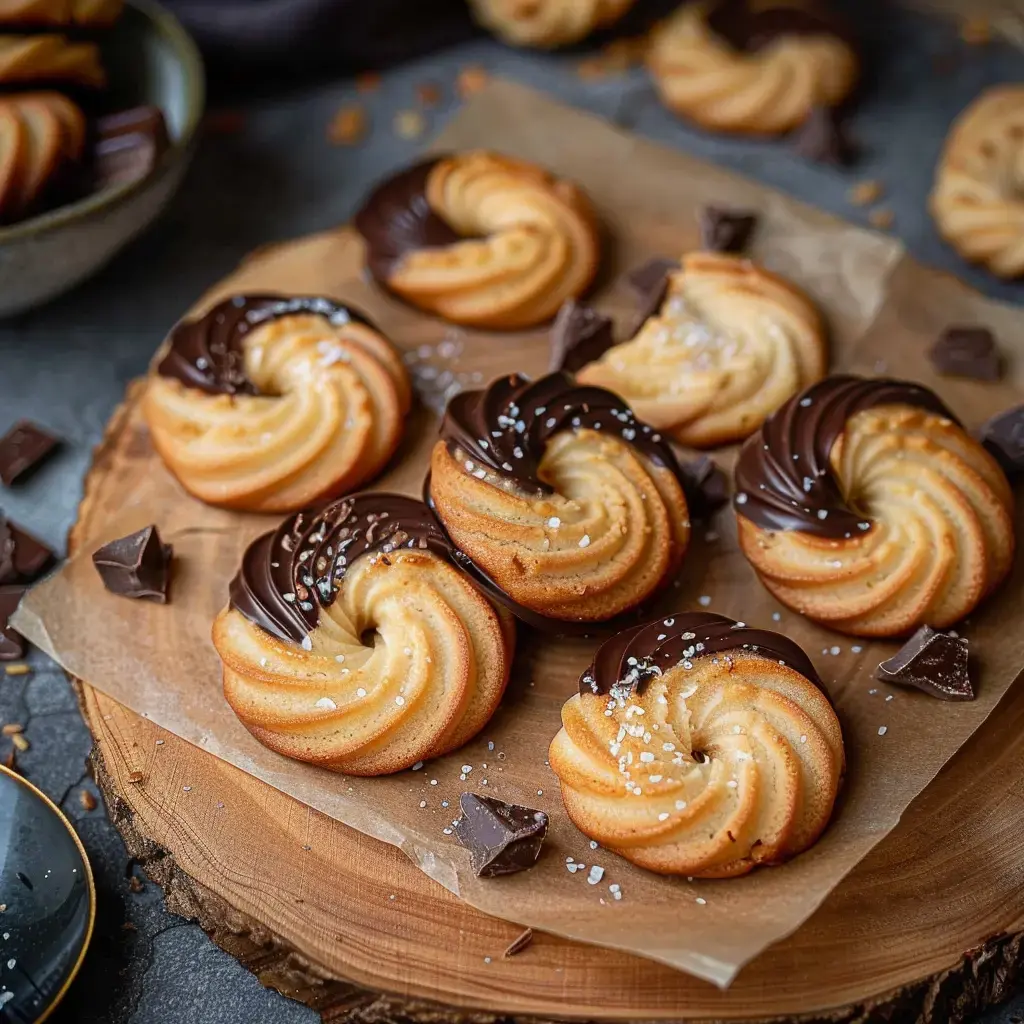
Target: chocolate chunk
point(23, 558)
point(705, 485)
point(969, 352)
point(650, 275)
point(518, 944)
point(1003, 436)
point(129, 144)
point(579, 335)
point(501, 838)
point(821, 138)
point(136, 566)
point(933, 662)
point(12, 644)
point(724, 230)
point(22, 449)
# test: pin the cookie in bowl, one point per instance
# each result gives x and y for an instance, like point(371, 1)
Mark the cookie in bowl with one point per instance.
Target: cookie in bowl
point(354, 641)
point(699, 746)
point(758, 67)
point(864, 504)
point(977, 200)
point(267, 403)
point(570, 506)
point(726, 345)
point(480, 239)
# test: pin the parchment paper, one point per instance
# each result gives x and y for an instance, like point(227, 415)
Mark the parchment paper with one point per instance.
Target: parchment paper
point(883, 309)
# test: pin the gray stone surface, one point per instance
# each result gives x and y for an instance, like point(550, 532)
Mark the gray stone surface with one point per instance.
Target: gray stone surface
point(66, 366)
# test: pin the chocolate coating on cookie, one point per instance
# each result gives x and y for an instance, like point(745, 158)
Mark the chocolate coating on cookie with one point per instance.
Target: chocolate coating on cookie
point(506, 427)
point(288, 575)
point(631, 659)
point(207, 352)
point(749, 30)
point(784, 479)
point(396, 219)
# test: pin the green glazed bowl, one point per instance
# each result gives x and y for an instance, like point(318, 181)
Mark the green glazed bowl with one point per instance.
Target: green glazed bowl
point(150, 59)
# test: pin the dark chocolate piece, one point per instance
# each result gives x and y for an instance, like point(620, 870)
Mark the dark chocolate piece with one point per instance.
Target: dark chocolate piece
point(207, 352)
point(631, 659)
point(725, 230)
point(649, 301)
point(749, 27)
point(506, 427)
point(969, 352)
point(933, 662)
point(129, 145)
point(822, 138)
point(784, 479)
point(579, 335)
point(1003, 436)
point(705, 485)
point(136, 566)
point(23, 558)
point(288, 575)
point(501, 838)
point(12, 644)
point(396, 219)
point(650, 276)
point(23, 448)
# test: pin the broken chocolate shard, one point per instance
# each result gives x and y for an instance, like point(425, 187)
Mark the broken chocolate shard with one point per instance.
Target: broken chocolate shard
point(518, 944)
point(136, 566)
point(969, 352)
point(579, 335)
point(129, 145)
point(23, 558)
point(725, 230)
point(933, 662)
point(1003, 436)
point(822, 138)
point(24, 448)
point(650, 275)
point(12, 644)
point(501, 838)
point(705, 485)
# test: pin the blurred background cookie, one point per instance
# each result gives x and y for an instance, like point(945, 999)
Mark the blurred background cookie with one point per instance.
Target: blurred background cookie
point(547, 23)
point(84, 13)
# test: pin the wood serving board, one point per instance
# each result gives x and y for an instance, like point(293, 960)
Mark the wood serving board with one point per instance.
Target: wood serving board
point(929, 926)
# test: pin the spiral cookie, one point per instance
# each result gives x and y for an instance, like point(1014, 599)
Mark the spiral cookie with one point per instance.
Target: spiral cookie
point(863, 504)
point(300, 670)
point(41, 135)
point(729, 345)
point(698, 746)
point(88, 13)
point(571, 506)
point(547, 23)
point(480, 239)
point(977, 200)
point(752, 66)
point(269, 404)
point(50, 59)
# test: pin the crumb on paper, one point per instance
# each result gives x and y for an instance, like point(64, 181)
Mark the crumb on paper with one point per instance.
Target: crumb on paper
point(409, 124)
point(136, 777)
point(881, 218)
point(976, 30)
point(865, 192)
point(19, 668)
point(471, 80)
point(428, 93)
point(348, 126)
point(368, 81)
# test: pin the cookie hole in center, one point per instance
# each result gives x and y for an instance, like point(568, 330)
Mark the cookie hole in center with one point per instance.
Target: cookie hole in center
point(699, 756)
point(368, 637)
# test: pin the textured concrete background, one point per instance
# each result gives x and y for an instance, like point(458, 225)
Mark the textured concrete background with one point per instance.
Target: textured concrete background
point(66, 366)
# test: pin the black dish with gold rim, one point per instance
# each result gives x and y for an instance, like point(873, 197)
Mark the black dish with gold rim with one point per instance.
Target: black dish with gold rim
point(48, 902)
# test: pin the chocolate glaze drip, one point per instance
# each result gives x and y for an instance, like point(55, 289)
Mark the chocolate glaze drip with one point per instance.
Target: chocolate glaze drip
point(288, 575)
point(506, 427)
point(396, 219)
point(207, 353)
point(632, 658)
point(784, 480)
point(750, 30)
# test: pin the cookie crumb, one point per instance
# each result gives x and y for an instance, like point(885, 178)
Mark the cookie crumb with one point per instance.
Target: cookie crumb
point(471, 80)
point(12, 728)
point(881, 218)
point(136, 777)
point(22, 744)
point(976, 30)
point(368, 81)
point(19, 668)
point(865, 193)
point(87, 800)
point(348, 126)
point(409, 124)
point(428, 93)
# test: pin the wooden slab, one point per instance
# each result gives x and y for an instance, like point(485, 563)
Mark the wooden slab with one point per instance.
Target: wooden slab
point(929, 925)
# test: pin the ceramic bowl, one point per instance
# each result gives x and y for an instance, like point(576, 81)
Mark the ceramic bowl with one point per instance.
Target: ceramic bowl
point(150, 59)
